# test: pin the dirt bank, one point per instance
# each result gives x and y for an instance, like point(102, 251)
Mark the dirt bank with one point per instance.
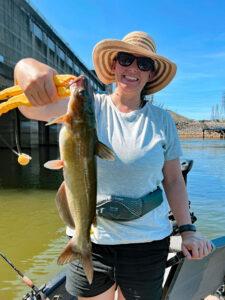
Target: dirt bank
point(188, 128)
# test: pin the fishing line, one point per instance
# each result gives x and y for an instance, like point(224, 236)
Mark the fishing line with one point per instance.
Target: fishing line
point(23, 159)
point(17, 132)
point(4, 141)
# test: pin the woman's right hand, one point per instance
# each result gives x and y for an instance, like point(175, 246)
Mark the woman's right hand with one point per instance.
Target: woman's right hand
point(36, 81)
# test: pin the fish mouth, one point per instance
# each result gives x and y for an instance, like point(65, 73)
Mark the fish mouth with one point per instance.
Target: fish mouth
point(81, 87)
point(77, 90)
point(80, 82)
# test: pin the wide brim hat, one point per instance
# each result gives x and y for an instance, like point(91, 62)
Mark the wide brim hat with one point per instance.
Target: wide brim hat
point(137, 42)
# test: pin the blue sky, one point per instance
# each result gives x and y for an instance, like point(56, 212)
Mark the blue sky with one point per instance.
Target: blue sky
point(190, 33)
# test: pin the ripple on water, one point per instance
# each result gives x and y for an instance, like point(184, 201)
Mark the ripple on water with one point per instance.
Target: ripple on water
point(206, 184)
point(32, 237)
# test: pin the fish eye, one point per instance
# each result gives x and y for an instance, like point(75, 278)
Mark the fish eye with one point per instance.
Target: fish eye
point(81, 92)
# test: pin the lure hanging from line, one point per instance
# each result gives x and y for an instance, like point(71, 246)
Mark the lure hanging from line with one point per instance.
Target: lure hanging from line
point(23, 159)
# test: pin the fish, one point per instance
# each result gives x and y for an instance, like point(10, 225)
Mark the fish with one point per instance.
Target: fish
point(76, 197)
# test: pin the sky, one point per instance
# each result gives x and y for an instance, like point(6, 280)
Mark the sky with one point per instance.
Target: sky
point(190, 33)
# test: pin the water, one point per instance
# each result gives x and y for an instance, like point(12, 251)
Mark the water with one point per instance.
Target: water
point(206, 184)
point(32, 235)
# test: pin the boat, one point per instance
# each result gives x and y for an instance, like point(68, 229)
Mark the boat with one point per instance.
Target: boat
point(183, 280)
point(186, 280)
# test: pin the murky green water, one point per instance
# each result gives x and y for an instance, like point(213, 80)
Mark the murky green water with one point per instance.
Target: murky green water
point(32, 235)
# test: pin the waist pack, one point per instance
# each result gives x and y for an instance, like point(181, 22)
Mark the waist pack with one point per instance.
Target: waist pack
point(126, 209)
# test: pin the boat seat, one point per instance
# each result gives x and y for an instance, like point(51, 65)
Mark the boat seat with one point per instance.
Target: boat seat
point(196, 279)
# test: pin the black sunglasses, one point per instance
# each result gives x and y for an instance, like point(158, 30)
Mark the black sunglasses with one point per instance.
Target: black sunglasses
point(144, 63)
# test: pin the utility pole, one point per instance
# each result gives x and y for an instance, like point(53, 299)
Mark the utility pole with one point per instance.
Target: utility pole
point(212, 114)
point(217, 114)
point(223, 107)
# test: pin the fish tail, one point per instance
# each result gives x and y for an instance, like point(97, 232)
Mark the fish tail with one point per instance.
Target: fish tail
point(71, 252)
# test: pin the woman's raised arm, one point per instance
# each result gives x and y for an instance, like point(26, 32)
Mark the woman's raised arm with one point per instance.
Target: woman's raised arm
point(36, 81)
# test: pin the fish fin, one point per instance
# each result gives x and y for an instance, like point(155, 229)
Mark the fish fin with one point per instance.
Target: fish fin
point(95, 222)
point(54, 164)
point(63, 206)
point(61, 119)
point(104, 152)
point(71, 253)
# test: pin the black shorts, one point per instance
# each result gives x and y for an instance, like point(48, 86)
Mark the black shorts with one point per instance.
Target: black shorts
point(138, 269)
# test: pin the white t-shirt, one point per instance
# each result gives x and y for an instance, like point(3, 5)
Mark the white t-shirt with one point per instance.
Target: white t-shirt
point(141, 141)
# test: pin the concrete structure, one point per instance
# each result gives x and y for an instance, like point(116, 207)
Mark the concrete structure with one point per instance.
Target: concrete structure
point(25, 33)
point(220, 130)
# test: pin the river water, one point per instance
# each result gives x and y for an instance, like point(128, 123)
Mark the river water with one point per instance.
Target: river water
point(32, 235)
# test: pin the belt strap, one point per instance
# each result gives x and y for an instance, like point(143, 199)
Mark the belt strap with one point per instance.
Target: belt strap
point(126, 209)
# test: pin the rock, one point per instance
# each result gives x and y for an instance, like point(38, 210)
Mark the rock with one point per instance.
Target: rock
point(188, 128)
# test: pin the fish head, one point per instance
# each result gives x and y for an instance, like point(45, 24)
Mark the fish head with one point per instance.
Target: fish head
point(81, 104)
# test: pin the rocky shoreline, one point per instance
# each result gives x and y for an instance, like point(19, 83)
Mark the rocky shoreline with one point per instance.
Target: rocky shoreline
point(188, 128)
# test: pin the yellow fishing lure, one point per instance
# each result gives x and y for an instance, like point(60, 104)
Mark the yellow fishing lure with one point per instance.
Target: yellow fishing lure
point(18, 98)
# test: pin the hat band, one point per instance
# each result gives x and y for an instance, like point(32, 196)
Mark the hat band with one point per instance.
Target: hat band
point(143, 43)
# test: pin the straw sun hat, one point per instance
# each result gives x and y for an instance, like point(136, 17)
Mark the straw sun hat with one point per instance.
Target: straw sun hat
point(135, 42)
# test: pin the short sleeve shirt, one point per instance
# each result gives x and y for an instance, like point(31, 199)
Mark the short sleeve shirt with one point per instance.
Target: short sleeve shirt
point(142, 140)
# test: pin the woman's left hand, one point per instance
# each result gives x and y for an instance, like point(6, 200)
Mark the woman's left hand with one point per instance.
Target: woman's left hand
point(195, 246)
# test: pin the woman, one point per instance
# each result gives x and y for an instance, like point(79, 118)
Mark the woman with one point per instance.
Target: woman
point(129, 251)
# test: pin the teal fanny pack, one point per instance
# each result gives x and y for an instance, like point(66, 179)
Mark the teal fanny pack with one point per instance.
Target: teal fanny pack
point(126, 209)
